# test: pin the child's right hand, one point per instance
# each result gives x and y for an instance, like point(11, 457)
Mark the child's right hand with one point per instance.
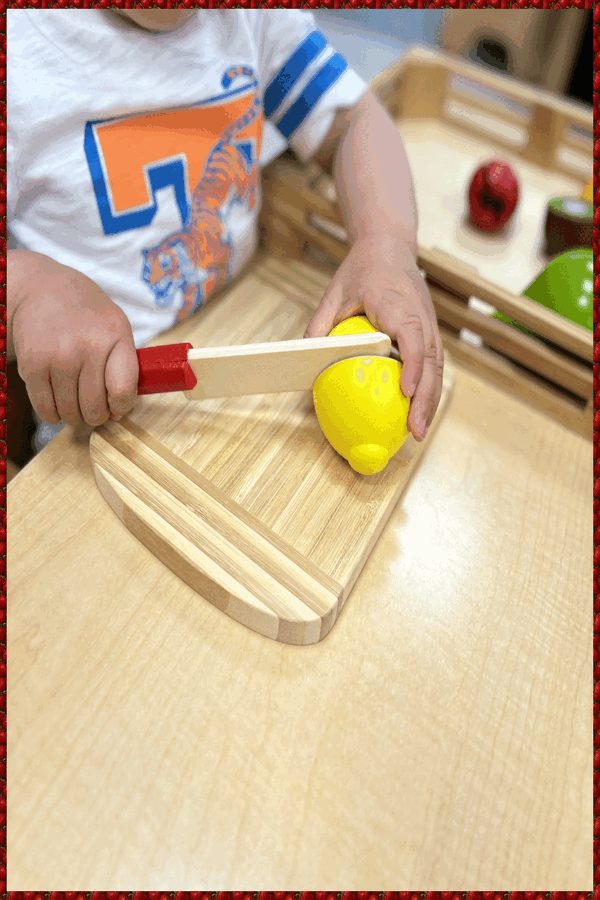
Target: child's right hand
point(74, 346)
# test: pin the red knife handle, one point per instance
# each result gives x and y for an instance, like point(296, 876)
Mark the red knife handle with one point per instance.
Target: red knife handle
point(165, 369)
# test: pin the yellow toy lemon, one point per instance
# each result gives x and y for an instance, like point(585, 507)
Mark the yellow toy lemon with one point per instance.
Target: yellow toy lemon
point(588, 192)
point(360, 407)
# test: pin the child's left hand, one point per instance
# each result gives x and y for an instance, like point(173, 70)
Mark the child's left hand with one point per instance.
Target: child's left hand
point(380, 278)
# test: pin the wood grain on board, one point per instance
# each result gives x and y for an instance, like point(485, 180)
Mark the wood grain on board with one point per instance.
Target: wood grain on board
point(244, 498)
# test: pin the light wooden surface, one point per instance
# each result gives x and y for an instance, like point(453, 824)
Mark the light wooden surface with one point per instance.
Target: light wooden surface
point(245, 499)
point(438, 738)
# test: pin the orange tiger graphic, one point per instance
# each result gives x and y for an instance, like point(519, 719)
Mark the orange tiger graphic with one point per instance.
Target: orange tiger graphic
point(196, 259)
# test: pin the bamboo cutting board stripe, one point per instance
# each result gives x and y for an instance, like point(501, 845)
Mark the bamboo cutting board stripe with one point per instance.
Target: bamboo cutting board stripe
point(227, 540)
point(224, 554)
point(244, 498)
point(201, 572)
point(234, 545)
point(136, 444)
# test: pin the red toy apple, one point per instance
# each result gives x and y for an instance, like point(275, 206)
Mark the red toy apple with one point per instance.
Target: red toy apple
point(493, 196)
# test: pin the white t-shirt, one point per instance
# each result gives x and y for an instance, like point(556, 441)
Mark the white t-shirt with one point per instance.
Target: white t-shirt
point(133, 157)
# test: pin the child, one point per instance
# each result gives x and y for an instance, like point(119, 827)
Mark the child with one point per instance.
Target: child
point(135, 140)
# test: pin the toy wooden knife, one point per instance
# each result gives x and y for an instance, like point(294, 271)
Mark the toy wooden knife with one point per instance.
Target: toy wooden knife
point(274, 367)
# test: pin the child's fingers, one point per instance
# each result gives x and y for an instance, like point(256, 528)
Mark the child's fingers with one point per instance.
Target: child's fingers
point(92, 392)
point(65, 390)
point(426, 398)
point(429, 385)
point(121, 378)
point(433, 358)
point(439, 383)
point(403, 321)
point(39, 388)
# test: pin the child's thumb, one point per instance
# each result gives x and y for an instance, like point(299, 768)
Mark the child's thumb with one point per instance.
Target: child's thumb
point(121, 378)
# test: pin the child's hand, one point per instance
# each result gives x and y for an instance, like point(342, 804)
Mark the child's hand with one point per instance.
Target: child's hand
point(380, 278)
point(74, 346)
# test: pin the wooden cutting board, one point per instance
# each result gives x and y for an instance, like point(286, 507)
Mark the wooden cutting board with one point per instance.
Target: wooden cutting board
point(244, 498)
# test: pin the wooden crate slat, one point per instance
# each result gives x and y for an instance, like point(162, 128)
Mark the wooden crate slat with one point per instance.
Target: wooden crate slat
point(532, 353)
point(508, 375)
point(512, 135)
point(549, 324)
point(389, 83)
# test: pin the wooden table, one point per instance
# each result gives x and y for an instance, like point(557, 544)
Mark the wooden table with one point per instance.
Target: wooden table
point(439, 738)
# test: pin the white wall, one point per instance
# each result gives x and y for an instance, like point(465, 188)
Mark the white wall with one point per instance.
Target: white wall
point(372, 39)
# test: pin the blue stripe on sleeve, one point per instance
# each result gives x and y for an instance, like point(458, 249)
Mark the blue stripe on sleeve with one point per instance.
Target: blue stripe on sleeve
point(289, 74)
point(310, 96)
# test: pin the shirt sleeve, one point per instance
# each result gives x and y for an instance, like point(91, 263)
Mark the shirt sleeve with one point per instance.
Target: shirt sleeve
point(305, 82)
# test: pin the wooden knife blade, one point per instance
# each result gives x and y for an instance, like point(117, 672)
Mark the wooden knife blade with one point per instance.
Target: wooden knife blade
point(273, 367)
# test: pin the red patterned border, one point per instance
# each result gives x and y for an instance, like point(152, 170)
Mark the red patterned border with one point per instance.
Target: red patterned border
point(304, 895)
point(292, 4)
point(3, 461)
point(596, 500)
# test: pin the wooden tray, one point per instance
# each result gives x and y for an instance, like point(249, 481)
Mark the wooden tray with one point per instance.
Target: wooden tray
point(453, 115)
point(244, 498)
